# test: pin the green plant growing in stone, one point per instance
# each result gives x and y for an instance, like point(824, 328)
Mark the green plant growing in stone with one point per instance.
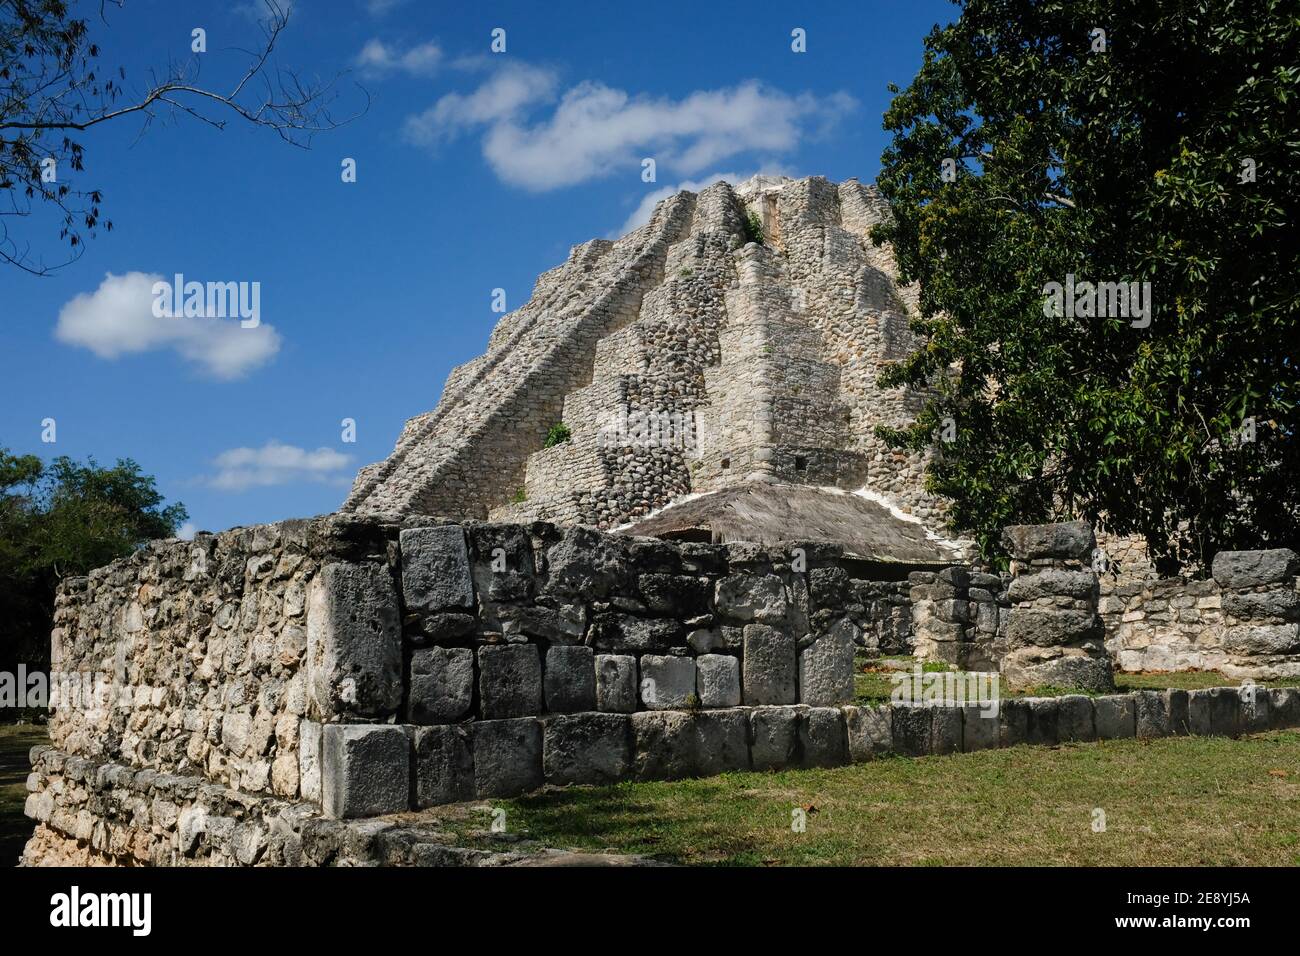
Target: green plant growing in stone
point(520, 497)
point(558, 435)
point(754, 229)
point(686, 273)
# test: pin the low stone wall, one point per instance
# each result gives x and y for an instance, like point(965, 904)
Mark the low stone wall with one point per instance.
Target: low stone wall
point(1244, 621)
point(90, 812)
point(960, 617)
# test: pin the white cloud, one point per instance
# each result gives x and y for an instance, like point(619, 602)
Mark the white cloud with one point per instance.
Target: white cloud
point(117, 319)
point(595, 129)
point(423, 59)
point(378, 8)
point(641, 214)
point(500, 98)
point(277, 464)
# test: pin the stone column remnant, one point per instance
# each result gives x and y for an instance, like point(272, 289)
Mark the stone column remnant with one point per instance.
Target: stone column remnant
point(1054, 635)
point(1261, 610)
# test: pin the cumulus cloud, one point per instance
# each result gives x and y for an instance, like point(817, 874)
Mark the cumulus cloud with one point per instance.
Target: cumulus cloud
point(594, 129)
point(275, 463)
point(641, 214)
point(117, 319)
point(422, 59)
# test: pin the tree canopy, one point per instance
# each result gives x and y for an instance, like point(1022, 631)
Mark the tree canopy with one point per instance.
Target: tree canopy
point(1106, 141)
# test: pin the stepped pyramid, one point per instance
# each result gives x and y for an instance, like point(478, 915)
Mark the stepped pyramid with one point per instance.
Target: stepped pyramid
point(712, 385)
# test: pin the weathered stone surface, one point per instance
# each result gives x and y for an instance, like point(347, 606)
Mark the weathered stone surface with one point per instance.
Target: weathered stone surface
point(444, 765)
point(911, 726)
point(509, 681)
point(587, 748)
point(1254, 709)
point(1243, 569)
point(869, 730)
point(1153, 717)
point(826, 670)
point(1071, 540)
point(667, 683)
point(675, 595)
point(1115, 716)
point(822, 737)
point(1198, 713)
point(1073, 670)
point(587, 565)
point(1041, 727)
point(616, 683)
point(1049, 628)
point(1250, 639)
point(751, 597)
point(945, 729)
point(1074, 718)
point(570, 679)
point(626, 633)
point(718, 680)
point(309, 736)
point(435, 569)
point(1281, 603)
point(980, 726)
point(775, 733)
point(365, 770)
point(507, 757)
point(1013, 723)
point(1284, 707)
point(1053, 582)
point(769, 665)
point(354, 641)
point(442, 684)
point(721, 741)
point(663, 744)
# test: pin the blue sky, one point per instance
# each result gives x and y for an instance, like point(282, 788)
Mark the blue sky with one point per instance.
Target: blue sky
point(475, 171)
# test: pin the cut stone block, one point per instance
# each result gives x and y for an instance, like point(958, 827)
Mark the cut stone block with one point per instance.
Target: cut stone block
point(751, 597)
point(822, 737)
point(1254, 711)
point(980, 725)
point(911, 726)
point(1013, 723)
point(1041, 727)
point(444, 765)
point(1225, 711)
point(570, 680)
point(718, 680)
point(663, 745)
point(1044, 627)
point(1114, 716)
point(721, 741)
point(442, 684)
point(587, 748)
point(507, 757)
point(775, 733)
point(870, 732)
point(1284, 707)
point(309, 759)
point(667, 683)
point(354, 641)
point(1198, 713)
point(1074, 718)
point(1252, 639)
point(1160, 713)
point(1053, 582)
point(509, 681)
point(770, 669)
point(365, 770)
point(945, 729)
point(826, 670)
point(1244, 569)
point(1062, 541)
point(616, 683)
point(435, 569)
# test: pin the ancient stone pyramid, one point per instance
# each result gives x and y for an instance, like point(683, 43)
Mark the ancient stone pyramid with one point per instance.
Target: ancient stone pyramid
point(688, 362)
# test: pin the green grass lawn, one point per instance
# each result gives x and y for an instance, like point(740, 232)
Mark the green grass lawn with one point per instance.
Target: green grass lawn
point(1176, 801)
point(15, 742)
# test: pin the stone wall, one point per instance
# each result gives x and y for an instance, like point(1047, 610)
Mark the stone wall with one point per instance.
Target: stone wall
point(1244, 621)
point(960, 617)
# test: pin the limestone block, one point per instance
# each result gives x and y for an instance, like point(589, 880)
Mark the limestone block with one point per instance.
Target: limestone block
point(509, 681)
point(717, 680)
point(365, 770)
point(1153, 716)
point(1244, 569)
point(826, 670)
point(354, 641)
point(1071, 540)
point(570, 680)
point(911, 727)
point(1051, 628)
point(667, 683)
point(721, 741)
point(616, 683)
point(822, 737)
point(751, 597)
point(663, 744)
point(1074, 718)
point(1115, 716)
point(980, 726)
point(869, 730)
point(1254, 710)
point(1013, 723)
point(507, 757)
point(1284, 707)
point(945, 729)
point(1249, 639)
point(775, 732)
point(587, 748)
point(770, 669)
point(442, 684)
point(1282, 603)
point(444, 765)
point(435, 569)
point(309, 736)
point(1051, 582)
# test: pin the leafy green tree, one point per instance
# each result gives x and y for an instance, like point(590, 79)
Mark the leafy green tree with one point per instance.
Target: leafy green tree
point(62, 519)
point(1139, 140)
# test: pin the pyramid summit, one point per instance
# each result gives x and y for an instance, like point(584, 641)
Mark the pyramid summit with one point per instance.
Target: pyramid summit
point(730, 345)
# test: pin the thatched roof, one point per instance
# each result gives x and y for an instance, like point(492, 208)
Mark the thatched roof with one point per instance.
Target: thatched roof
point(768, 513)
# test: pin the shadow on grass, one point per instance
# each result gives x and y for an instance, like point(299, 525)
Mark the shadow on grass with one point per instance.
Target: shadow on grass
point(15, 744)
